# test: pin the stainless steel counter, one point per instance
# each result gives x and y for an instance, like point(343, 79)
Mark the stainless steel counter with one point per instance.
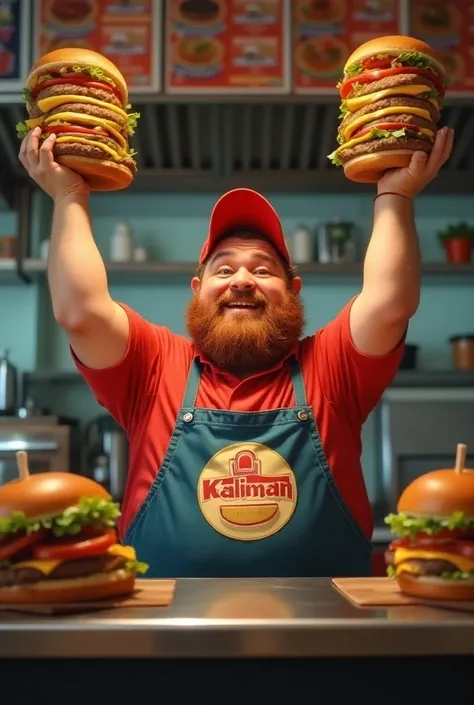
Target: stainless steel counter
point(241, 619)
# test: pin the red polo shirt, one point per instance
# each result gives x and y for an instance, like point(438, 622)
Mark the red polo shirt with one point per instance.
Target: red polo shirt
point(145, 391)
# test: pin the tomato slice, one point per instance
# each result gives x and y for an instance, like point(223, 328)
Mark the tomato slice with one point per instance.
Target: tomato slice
point(442, 545)
point(377, 75)
point(377, 64)
point(71, 547)
point(77, 80)
point(11, 544)
point(57, 129)
point(385, 126)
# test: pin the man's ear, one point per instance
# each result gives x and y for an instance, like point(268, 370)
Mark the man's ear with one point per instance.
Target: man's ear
point(296, 284)
point(195, 284)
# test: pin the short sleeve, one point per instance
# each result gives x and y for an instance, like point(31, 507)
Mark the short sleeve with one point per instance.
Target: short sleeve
point(122, 388)
point(349, 378)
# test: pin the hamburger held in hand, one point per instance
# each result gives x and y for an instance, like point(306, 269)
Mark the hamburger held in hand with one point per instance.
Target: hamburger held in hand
point(434, 556)
point(82, 97)
point(391, 93)
point(58, 542)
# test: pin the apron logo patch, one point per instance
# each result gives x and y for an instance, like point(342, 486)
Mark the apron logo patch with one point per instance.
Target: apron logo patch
point(247, 491)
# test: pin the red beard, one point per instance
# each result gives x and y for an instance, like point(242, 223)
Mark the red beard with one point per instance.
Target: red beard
point(245, 342)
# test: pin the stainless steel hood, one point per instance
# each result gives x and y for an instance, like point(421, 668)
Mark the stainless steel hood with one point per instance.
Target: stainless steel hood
point(275, 144)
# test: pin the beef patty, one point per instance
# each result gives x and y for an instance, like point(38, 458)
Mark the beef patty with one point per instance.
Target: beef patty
point(86, 109)
point(73, 89)
point(92, 152)
point(401, 79)
point(78, 568)
point(382, 145)
point(424, 567)
point(390, 103)
point(402, 120)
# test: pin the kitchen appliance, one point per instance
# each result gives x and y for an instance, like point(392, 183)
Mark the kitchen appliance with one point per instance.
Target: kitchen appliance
point(419, 428)
point(50, 445)
point(8, 384)
point(107, 455)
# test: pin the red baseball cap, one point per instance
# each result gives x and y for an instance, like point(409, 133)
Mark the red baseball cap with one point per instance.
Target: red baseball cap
point(249, 210)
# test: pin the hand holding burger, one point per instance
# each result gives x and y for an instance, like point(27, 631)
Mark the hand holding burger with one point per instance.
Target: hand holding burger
point(77, 101)
point(392, 92)
point(434, 556)
point(58, 542)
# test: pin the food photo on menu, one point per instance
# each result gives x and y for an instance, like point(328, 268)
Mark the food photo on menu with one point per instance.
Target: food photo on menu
point(326, 33)
point(226, 46)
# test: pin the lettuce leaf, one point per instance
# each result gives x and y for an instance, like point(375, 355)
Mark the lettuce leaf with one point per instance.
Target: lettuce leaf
point(406, 525)
point(93, 510)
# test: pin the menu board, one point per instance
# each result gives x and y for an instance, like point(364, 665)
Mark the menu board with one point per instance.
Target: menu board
point(449, 28)
point(126, 32)
point(227, 46)
point(14, 44)
point(326, 32)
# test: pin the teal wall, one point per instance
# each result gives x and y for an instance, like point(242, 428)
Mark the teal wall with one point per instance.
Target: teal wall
point(173, 227)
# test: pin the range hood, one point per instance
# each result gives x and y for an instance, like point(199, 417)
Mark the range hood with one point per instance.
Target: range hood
point(271, 143)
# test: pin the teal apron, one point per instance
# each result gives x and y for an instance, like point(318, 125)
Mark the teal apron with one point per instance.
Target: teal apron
point(247, 494)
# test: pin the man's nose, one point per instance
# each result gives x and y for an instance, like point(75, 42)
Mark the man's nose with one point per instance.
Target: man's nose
point(242, 280)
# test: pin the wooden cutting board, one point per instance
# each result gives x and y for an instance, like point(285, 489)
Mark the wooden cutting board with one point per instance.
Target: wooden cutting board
point(147, 593)
point(384, 592)
point(369, 592)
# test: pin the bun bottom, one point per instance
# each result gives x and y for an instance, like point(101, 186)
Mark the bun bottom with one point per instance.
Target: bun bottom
point(369, 168)
point(101, 586)
point(436, 588)
point(100, 174)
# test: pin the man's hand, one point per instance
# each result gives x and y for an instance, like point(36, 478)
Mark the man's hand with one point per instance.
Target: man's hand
point(421, 170)
point(39, 162)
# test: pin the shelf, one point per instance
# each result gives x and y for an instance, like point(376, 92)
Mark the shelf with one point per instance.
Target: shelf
point(157, 272)
point(404, 378)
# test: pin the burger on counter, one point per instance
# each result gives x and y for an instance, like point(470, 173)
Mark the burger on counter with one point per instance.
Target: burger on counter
point(58, 542)
point(392, 91)
point(82, 97)
point(434, 556)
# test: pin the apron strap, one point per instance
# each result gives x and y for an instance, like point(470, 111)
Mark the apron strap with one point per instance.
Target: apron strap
point(298, 384)
point(192, 385)
point(194, 379)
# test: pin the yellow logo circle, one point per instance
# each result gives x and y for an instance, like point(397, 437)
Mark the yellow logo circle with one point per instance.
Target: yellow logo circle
point(247, 491)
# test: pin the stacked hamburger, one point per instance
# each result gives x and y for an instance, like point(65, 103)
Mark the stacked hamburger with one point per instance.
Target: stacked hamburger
point(391, 91)
point(433, 556)
point(58, 542)
point(82, 97)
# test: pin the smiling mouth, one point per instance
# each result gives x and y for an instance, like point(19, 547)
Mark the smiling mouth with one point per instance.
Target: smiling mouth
point(241, 305)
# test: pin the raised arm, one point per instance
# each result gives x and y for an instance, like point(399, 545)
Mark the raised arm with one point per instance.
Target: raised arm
point(391, 283)
point(97, 327)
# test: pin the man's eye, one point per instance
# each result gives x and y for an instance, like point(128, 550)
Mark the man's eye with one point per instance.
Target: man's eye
point(224, 270)
point(261, 271)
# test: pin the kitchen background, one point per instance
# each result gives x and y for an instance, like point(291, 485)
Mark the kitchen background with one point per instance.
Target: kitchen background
point(197, 137)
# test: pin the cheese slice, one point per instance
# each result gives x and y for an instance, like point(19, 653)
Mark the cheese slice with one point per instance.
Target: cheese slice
point(384, 112)
point(465, 565)
point(91, 120)
point(116, 154)
point(45, 567)
point(127, 552)
point(354, 104)
point(47, 104)
point(366, 138)
point(34, 122)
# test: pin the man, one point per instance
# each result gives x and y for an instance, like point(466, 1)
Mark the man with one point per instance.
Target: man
point(245, 441)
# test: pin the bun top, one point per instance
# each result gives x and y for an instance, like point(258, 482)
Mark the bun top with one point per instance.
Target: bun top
point(395, 43)
point(47, 493)
point(55, 60)
point(439, 494)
